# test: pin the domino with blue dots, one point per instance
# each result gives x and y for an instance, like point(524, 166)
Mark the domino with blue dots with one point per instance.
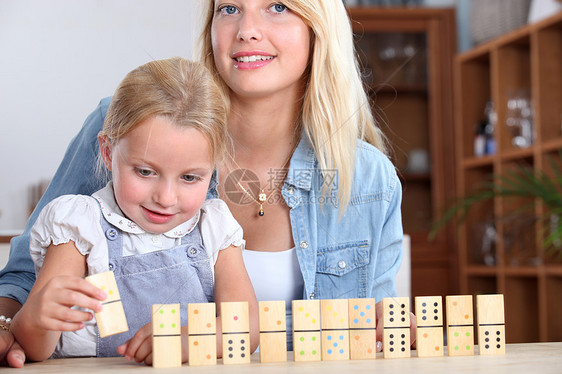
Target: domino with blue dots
point(362, 329)
point(334, 318)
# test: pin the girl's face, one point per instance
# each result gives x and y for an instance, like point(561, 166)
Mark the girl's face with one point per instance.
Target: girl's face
point(260, 47)
point(161, 173)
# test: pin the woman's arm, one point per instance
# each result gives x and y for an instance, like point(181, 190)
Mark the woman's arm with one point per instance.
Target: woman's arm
point(232, 283)
point(48, 310)
point(11, 353)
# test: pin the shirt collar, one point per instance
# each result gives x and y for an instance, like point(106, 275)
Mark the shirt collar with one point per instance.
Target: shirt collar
point(114, 215)
point(302, 166)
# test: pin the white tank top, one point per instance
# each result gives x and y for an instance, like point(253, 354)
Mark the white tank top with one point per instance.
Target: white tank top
point(276, 276)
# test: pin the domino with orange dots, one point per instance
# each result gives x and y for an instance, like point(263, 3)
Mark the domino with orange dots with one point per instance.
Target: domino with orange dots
point(396, 327)
point(202, 334)
point(362, 329)
point(460, 325)
point(273, 331)
point(429, 331)
point(491, 324)
point(111, 320)
point(235, 323)
point(334, 320)
point(306, 330)
point(166, 336)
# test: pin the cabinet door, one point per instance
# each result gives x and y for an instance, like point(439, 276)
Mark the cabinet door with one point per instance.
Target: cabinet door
point(406, 59)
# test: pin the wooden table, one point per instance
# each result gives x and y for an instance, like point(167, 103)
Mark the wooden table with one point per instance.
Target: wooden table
point(528, 358)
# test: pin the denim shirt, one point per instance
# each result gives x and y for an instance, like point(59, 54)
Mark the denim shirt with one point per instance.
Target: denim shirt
point(353, 255)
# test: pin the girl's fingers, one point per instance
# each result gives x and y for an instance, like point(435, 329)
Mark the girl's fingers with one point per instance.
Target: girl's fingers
point(71, 298)
point(137, 341)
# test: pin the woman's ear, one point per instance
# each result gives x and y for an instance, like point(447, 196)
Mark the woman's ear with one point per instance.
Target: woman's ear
point(105, 150)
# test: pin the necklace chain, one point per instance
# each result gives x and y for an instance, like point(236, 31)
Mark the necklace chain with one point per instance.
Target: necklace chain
point(262, 196)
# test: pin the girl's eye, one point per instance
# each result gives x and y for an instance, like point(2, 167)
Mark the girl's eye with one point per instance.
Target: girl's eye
point(228, 9)
point(278, 8)
point(144, 172)
point(190, 178)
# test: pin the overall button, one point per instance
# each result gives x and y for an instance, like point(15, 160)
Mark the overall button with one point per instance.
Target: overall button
point(192, 252)
point(110, 266)
point(311, 295)
point(303, 244)
point(341, 264)
point(111, 234)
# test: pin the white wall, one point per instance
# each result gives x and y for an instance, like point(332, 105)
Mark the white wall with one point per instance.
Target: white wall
point(58, 58)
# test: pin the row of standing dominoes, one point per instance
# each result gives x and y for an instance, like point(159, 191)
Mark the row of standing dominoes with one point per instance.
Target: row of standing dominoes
point(335, 329)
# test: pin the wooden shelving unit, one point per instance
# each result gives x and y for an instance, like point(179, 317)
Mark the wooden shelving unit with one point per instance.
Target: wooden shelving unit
point(407, 58)
point(528, 59)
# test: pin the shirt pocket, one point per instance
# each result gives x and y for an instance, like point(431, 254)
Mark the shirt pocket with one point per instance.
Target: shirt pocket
point(341, 270)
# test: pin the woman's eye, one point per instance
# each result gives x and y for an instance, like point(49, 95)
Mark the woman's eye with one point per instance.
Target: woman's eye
point(228, 9)
point(279, 8)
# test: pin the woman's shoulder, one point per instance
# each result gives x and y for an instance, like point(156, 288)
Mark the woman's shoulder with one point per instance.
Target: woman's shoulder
point(371, 163)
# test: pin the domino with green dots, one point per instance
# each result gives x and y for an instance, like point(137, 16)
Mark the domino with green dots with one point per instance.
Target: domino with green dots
point(166, 336)
point(460, 325)
point(307, 344)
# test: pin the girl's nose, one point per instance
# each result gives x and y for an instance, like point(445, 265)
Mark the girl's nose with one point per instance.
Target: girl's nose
point(165, 194)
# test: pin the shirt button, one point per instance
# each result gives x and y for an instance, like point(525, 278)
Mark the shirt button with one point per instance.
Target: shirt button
point(111, 234)
point(156, 239)
point(341, 264)
point(303, 244)
point(192, 252)
point(291, 190)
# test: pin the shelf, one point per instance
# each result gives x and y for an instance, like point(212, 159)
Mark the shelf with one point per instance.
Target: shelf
point(554, 271)
point(522, 271)
point(520, 73)
point(476, 162)
point(481, 270)
point(517, 154)
point(552, 145)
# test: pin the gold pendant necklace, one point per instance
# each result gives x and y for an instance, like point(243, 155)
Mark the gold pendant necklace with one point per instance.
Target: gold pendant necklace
point(262, 196)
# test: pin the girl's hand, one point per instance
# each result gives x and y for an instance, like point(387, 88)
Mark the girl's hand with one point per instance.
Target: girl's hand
point(139, 347)
point(50, 308)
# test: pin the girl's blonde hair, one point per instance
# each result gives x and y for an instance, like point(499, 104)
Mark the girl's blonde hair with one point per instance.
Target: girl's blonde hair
point(336, 110)
point(179, 90)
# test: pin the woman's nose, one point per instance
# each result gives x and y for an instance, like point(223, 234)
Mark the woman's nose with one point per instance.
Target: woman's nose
point(250, 27)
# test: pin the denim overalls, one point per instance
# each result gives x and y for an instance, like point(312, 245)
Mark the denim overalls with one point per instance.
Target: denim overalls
point(178, 275)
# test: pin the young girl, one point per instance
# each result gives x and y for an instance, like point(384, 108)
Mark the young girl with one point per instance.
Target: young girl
point(151, 225)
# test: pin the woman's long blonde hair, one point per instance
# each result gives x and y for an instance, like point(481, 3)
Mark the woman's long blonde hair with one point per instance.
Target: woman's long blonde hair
point(336, 110)
point(184, 92)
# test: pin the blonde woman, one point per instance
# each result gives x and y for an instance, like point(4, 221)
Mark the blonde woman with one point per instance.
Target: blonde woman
point(307, 175)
